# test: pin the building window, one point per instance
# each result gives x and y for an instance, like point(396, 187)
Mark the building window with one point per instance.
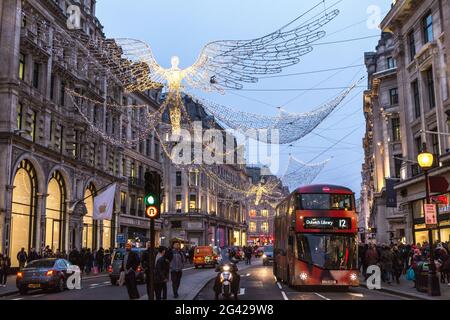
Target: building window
point(193, 179)
point(193, 202)
point(252, 226)
point(391, 63)
point(252, 213)
point(52, 87)
point(435, 145)
point(416, 98)
point(140, 207)
point(36, 70)
point(55, 212)
point(76, 145)
point(62, 99)
point(411, 45)
point(396, 133)
point(61, 140)
point(397, 166)
point(21, 66)
point(133, 205)
point(33, 126)
point(178, 203)
point(178, 178)
point(123, 202)
point(124, 167)
point(19, 116)
point(23, 210)
point(430, 87)
point(265, 227)
point(133, 170)
point(427, 24)
point(148, 147)
point(265, 213)
point(393, 94)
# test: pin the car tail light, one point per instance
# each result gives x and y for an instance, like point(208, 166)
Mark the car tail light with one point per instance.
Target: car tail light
point(110, 269)
point(139, 269)
point(50, 273)
point(19, 274)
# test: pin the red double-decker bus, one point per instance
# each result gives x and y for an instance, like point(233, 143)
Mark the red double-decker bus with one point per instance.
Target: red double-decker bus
point(316, 237)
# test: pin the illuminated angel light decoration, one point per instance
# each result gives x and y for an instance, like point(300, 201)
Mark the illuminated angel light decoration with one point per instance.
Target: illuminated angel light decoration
point(223, 64)
point(299, 173)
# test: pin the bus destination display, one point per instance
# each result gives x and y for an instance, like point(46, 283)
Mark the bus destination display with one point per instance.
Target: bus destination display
point(327, 223)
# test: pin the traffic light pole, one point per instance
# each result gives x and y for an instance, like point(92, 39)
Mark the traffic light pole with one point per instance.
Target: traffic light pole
point(151, 266)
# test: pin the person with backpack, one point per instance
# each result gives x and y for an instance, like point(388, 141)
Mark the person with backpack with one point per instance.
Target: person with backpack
point(22, 257)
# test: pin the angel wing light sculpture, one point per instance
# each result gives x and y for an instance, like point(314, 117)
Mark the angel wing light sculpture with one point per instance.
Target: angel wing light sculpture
point(223, 65)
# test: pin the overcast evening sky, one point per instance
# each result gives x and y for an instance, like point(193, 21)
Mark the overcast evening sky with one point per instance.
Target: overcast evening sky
point(180, 27)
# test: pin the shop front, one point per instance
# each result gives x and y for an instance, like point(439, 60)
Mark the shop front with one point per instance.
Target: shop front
point(420, 233)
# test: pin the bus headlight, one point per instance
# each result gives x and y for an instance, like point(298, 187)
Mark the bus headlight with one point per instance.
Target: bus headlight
point(353, 277)
point(303, 276)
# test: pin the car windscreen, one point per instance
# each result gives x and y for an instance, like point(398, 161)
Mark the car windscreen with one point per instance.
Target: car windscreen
point(268, 249)
point(325, 201)
point(41, 264)
point(328, 251)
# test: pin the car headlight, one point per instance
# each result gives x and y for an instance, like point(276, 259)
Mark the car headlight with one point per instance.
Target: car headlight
point(353, 277)
point(226, 268)
point(303, 276)
point(264, 256)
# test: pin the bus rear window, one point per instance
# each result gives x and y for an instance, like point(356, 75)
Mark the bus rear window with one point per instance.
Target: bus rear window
point(324, 201)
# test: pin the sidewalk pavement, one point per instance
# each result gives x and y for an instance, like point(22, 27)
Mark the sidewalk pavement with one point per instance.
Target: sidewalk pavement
point(406, 288)
point(11, 288)
point(193, 283)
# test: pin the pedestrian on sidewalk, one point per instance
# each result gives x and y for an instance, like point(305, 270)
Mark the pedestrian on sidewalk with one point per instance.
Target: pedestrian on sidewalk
point(371, 257)
point(130, 264)
point(100, 256)
point(248, 255)
point(397, 264)
point(33, 255)
point(162, 270)
point(74, 258)
point(176, 258)
point(386, 260)
point(89, 261)
point(22, 257)
point(5, 264)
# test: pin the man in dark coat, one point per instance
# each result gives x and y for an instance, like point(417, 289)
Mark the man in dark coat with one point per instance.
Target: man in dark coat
point(99, 259)
point(130, 265)
point(22, 257)
point(74, 257)
point(162, 269)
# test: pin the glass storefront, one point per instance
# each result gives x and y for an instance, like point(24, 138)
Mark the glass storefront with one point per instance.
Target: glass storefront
point(55, 213)
point(23, 210)
point(442, 233)
point(88, 221)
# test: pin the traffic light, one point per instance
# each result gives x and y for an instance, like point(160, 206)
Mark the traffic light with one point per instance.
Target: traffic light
point(152, 199)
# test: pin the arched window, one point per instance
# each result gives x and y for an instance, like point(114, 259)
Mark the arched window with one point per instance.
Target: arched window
point(55, 213)
point(89, 228)
point(23, 218)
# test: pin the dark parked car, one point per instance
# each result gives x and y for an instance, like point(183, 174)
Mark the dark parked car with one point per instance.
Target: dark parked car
point(267, 255)
point(116, 264)
point(44, 274)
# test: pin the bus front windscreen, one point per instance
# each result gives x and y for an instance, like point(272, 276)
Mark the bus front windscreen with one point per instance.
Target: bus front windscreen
point(328, 251)
point(325, 201)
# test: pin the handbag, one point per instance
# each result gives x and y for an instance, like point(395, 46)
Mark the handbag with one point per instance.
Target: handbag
point(410, 275)
point(122, 278)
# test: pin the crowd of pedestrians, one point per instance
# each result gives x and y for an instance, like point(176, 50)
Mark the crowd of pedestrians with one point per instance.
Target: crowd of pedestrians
point(87, 260)
point(400, 260)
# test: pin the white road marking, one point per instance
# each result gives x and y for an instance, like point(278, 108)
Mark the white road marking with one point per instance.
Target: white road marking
point(242, 292)
point(39, 295)
point(188, 269)
point(279, 285)
point(18, 299)
point(284, 295)
point(95, 284)
point(319, 295)
point(359, 295)
point(99, 286)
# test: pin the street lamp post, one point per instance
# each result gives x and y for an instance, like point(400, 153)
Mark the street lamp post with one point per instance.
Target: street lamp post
point(426, 160)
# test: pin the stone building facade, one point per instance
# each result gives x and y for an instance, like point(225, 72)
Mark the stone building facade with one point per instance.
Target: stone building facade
point(198, 208)
point(420, 32)
point(52, 164)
